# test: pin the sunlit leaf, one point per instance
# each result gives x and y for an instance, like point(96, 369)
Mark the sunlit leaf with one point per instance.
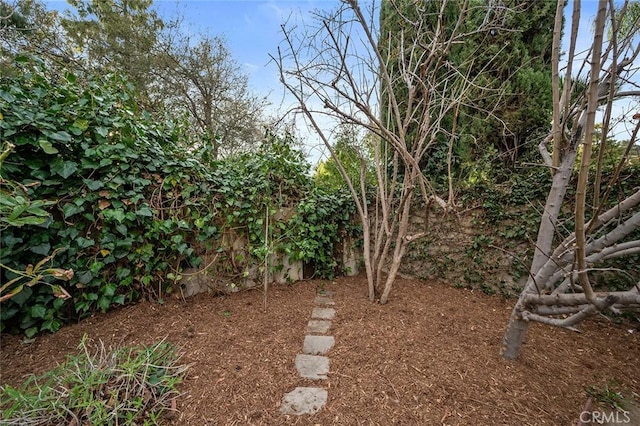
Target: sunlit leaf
point(47, 147)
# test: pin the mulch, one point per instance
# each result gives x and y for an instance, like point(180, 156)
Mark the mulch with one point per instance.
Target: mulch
point(431, 356)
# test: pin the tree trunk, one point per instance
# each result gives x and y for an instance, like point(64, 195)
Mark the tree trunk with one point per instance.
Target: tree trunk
point(399, 250)
point(366, 230)
point(517, 328)
point(583, 175)
point(514, 337)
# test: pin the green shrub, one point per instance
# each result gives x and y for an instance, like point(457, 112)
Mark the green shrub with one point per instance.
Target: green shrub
point(123, 204)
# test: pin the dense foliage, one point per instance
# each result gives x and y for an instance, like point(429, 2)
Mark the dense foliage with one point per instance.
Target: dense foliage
point(127, 211)
point(508, 106)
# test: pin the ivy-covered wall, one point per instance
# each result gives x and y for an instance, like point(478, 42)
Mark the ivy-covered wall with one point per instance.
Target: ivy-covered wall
point(127, 207)
point(488, 242)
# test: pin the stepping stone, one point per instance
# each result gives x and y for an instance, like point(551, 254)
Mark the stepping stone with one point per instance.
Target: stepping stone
point(312, 367)
point(323, 313)
point(303, 401)
point(328, 293)
point(318, 326)
point(317, 345)
point(323, 300)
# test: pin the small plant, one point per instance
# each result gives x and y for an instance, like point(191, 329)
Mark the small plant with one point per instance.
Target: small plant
point(607, 396)
point(127, 386)
point(488, 290)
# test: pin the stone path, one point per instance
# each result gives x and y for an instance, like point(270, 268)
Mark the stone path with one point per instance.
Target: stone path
point(313, 363)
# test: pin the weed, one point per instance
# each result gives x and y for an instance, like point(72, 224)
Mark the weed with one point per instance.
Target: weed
point(126, 386)
point(607, 395)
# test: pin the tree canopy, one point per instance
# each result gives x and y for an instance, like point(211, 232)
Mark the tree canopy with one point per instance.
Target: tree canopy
point(193, 78)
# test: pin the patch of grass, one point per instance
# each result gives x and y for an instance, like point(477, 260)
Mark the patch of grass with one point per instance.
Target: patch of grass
point(99, 386)
point(606, 395)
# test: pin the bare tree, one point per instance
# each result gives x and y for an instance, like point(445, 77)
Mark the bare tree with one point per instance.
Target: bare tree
point(559, 291)
point(202, 78)
point(340, 72)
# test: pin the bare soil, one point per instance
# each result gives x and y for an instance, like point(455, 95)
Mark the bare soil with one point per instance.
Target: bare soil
point(431, 356)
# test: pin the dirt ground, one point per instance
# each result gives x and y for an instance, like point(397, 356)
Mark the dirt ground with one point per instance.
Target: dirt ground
point(428, 357)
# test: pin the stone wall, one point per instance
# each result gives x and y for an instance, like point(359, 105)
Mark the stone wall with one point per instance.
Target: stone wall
point(460, 249)
point(465, 251)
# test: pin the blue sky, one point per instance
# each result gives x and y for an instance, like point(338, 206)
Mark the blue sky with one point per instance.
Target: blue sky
point(250, 27)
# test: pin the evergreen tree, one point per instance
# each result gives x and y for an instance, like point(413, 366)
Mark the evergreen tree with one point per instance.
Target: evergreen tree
point(516, 64)
point(117, 35)
point(509, 63)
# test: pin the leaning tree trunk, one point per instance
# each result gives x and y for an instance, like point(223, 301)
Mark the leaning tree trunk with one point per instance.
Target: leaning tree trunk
point(518, 327)
point(558, 291)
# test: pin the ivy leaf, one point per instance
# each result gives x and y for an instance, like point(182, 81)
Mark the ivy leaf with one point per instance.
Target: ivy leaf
point(70, 209)
point(47, 147)
point(85, 277)
point(79, 126)
point(38, 311)
point(122, 273)
point(104, 302)
point(93, 185)
point(122, 229)
point(144, 211)
point(7, 96)
point(60, 136)
point(81, 123)
point(41, 249)
point(109, 290)
point(64, 168)
point(22, 296)
point(117, 214)
point(84, 242)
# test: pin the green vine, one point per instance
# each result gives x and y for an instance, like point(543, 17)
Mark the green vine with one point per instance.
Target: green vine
point(132, 207)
